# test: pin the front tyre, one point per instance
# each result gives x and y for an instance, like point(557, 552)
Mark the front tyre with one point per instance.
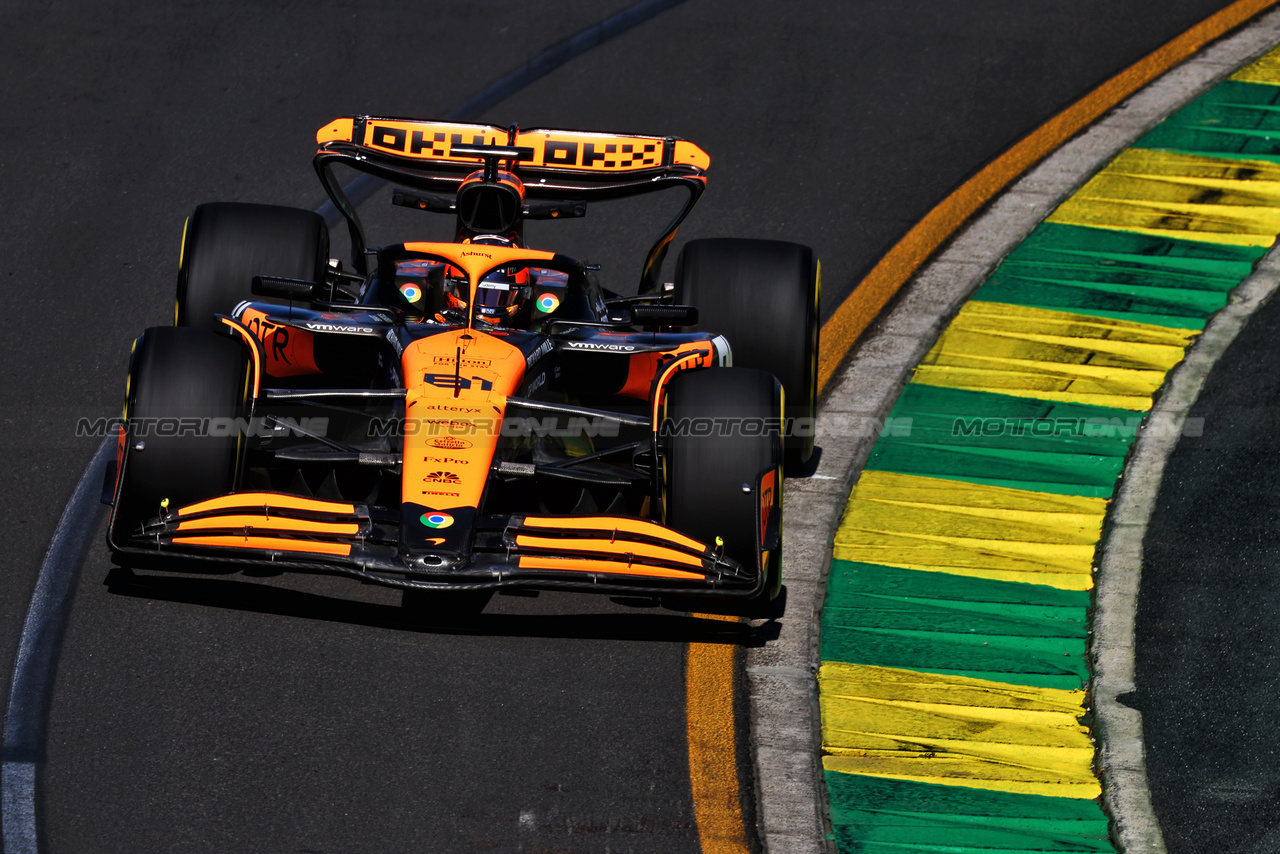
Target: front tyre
point(180, 380)
point(722, 432)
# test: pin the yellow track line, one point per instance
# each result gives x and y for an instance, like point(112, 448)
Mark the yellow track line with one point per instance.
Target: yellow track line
point(713, 760)
point(885, 279)
point(713, 763)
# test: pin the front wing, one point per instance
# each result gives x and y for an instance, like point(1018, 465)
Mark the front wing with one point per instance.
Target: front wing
point(607, 554)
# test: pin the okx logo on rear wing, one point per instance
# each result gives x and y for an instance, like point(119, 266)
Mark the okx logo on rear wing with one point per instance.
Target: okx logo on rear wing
point(549, 152)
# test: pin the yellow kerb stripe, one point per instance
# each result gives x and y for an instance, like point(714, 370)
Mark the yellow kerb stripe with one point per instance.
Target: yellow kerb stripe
point(1184, 196)
point(971, 529)
point(1265, 70)
point(1053, 355)
point(955, 730)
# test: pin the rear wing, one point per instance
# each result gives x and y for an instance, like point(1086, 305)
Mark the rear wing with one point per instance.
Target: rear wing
point(556, 164)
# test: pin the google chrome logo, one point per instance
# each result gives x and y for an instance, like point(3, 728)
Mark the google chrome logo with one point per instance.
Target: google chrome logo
point(412, 293)
point(548, 303)
point(436, 520)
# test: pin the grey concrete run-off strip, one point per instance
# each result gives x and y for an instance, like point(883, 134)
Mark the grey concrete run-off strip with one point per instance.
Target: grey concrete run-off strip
point(782, 675)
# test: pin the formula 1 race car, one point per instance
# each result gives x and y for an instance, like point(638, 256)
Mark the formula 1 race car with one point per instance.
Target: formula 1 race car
point(451, 418)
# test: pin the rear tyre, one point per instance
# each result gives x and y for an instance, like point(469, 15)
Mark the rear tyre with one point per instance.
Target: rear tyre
point(179, 378)
point(226, 244)
point(705, 471)
point(763, 296)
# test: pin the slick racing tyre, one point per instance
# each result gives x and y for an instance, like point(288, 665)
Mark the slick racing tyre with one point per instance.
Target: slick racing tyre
point(180, 379)
point(705, 470)
point(763, 296)
point(226, 244)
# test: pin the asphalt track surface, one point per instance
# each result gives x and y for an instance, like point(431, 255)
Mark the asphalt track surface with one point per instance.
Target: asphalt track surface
point(1208, 627)
point(242, 713)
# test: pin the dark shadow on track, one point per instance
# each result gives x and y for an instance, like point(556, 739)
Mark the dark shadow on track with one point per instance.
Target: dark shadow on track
point(229, 593)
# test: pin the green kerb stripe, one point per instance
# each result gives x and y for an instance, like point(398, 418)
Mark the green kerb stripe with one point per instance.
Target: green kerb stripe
point(871, 814)
point(1122, 275)
point(981, 437)
point(1021, 634)
point(1233, 119)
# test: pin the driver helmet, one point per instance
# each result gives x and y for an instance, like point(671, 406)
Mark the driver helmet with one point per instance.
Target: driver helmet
point(501, 294)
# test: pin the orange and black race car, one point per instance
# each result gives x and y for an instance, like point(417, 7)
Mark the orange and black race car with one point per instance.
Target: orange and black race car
point(450, 418)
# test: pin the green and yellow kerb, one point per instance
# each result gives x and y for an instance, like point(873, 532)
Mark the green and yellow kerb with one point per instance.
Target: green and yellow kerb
point(954, 673)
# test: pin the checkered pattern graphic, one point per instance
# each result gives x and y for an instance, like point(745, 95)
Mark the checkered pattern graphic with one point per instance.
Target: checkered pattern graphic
point(438, 148)
point(646, 156)
point(553, 149)
point(404, 139)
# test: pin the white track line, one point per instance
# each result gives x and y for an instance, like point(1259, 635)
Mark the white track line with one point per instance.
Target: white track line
point(36, 664)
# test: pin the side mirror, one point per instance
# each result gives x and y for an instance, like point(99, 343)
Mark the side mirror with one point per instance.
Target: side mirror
point(281, 288)
point(664, 315)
